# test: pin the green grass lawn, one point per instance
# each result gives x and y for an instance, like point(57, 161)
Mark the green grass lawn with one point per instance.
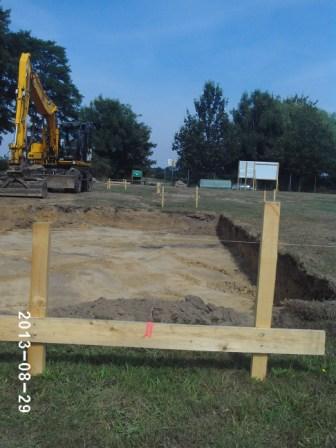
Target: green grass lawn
point(101, 397)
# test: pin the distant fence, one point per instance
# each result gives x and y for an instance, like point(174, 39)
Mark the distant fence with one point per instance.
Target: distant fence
point(260, 340)
point(110, 182)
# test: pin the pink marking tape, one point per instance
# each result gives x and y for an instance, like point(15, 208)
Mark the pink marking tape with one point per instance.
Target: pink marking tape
point(149, 329)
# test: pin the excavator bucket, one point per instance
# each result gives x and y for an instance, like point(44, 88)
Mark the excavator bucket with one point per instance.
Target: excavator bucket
point(23, 186)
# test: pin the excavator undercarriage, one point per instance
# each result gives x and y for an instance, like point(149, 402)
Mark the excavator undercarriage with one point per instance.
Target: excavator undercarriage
point(36, 183)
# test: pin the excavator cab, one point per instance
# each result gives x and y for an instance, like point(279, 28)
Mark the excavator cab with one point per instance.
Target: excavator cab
point(75, 143)
point(38, 145)
point(72, 170)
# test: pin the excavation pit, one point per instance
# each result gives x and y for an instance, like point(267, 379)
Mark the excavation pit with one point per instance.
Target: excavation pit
point(159, 262)
point(125, 255)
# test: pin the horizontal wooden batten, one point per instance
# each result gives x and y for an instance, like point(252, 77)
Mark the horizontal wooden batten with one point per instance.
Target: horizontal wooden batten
point(167, 336)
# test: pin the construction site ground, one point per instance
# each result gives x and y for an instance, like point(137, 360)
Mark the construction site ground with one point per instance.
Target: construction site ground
point(117, 255)
point(109, 245)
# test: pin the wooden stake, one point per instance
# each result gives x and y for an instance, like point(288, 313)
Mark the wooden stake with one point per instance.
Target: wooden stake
point(158, 188)
point(108, 184)
point(274, 195)
point(254, 176)
point(268, 256)
point(196, 196)
point(277, 180)
point(162, 196)
point(245, 173)
point(39, 290)
point(125, 184)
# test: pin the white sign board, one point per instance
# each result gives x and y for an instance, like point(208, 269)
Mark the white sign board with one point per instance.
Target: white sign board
point(171, 162)
point(246, 169)
point(258, 170)
point(267, 171)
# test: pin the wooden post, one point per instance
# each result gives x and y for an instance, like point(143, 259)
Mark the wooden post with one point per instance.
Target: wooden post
point(254, 176)
point(39, 290)
point(264, 195)
point(196, 196)
point(108, 184)
point(125, 184)
point(245, 174)
point(277, 179)
point(162, 196)
point(158, 188)
point(268, 255)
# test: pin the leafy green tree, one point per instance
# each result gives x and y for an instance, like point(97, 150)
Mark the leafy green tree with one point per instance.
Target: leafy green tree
point(6, 75)
point(121, 142)
point(50, 62)
point(259, 126)
point(308, 141)
point(3, 163)
point(203, 143)
point(156, 172)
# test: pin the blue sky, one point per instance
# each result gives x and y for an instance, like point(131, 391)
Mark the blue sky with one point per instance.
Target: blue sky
point(156, 54)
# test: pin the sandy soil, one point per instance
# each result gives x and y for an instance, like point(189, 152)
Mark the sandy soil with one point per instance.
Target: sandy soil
point(190, 310)
point(88, 263)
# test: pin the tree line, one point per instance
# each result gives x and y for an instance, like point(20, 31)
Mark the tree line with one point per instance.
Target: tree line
point(121, 142)
point(293, 131)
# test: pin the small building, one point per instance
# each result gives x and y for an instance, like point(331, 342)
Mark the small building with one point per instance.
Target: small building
point(224, 184)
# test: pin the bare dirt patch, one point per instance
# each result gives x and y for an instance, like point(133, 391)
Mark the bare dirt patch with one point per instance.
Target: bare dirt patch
point(190, 310)
point(170, 257)
point(72, 215)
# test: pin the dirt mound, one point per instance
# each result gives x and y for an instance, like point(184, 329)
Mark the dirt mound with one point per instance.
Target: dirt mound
point(191, 310)
point(22, 216)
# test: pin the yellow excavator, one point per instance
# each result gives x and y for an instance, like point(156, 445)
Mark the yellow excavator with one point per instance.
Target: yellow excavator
point(59, 160)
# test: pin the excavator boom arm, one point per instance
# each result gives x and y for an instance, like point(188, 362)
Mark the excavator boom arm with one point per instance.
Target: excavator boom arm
point(22, 107)
point(30, 87)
